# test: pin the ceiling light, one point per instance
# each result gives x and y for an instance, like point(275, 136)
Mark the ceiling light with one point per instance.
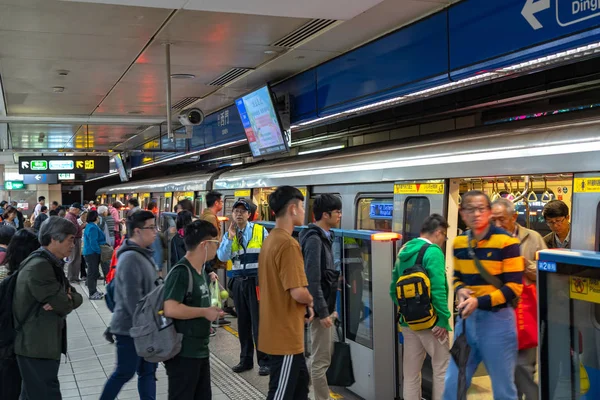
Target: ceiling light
point(183, 76)
point(58, 89)
point(270, 52)
point(319, 150)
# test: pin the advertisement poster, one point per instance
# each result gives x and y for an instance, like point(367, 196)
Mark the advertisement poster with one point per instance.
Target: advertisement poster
point(259, 118)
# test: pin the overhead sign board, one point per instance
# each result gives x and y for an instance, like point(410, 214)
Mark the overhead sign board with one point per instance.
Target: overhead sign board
point(515, 26)
point(56, 164)
point(66, 177)
point(14, 185)
point(40, 179)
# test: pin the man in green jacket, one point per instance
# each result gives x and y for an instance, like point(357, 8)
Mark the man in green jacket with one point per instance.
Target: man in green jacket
point(43, 299)
point(431, 341)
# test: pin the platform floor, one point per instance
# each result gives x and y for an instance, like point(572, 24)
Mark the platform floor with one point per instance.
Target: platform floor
point(91, 359)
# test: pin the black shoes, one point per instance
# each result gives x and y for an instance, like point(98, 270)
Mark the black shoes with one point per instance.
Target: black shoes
point(241, 368)
point(264, 371)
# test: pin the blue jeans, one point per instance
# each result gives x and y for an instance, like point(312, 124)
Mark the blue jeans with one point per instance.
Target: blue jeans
point(128, 363)
point(493, 340)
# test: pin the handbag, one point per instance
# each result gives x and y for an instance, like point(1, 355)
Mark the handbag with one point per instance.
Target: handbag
point(340, 372)
point(106, 253)
point(526, 315)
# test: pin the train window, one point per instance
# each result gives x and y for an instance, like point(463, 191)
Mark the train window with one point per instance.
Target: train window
point(198, 205)
point(597, 244)
point(375, 214)
point(311, 212)
point(416, 209)
point(358, 293)
point(536, 219)
point(228, 206)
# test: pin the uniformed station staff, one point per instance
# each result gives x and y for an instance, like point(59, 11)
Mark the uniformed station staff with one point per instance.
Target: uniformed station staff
point(242, 245)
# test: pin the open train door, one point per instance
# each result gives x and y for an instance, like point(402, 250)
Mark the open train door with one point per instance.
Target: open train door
point(414, 201)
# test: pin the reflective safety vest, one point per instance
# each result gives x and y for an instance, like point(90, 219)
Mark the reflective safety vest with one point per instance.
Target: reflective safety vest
point(245, 261)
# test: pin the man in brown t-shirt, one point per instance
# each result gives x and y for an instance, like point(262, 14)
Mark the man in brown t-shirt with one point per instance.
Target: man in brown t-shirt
point(284, 299)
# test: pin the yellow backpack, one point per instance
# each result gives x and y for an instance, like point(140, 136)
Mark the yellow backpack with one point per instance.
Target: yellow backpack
point(413, 290)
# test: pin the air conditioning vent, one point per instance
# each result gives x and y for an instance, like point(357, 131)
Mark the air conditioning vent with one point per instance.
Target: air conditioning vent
point(180, 105)
point(306, 31)
point(229, 76)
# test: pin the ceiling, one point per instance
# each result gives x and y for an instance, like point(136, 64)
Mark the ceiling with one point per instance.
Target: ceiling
point(109, 56)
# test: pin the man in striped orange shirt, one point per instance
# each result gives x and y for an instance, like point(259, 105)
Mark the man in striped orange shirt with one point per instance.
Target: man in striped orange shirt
point(488, 275)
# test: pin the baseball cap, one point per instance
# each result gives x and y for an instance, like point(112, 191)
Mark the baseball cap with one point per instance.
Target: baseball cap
point(77, 205)
point(243, 203)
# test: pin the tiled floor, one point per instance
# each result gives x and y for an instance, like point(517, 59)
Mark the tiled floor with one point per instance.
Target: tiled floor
point(91, 360)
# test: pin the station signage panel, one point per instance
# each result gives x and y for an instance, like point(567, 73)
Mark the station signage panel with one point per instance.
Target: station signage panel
point(14, 185)
point(66, 177)
point(60, 164)
point(40, 179)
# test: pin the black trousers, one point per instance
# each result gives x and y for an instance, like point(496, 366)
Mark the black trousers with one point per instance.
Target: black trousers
point(289, 378)
point(40, 378)
point(93, 272)
point(10, 379)
point(189, 378)
point(246, 306)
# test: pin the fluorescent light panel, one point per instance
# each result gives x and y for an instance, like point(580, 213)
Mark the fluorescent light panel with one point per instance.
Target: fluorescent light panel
point(341, 146)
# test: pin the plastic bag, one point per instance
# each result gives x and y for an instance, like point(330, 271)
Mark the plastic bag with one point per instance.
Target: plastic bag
point(216, 299)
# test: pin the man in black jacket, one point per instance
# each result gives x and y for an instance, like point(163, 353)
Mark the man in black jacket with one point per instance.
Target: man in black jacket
point(316, 243)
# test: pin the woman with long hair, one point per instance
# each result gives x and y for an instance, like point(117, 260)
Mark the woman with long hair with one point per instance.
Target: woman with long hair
point(177, 246)
point(22, 244)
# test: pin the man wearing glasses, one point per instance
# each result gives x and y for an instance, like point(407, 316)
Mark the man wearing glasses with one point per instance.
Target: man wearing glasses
point(488, 277)
point(242, 245)
point(556, 214)
point(135, 278)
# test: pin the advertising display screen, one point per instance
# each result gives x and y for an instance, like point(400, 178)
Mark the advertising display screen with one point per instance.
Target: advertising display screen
point(261, 123)
point(121, 168)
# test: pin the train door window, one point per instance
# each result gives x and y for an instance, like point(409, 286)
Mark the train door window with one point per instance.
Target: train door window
point(358, 294)
point(311, 212)
point(228, 205)
point(261, 198)
point(199, 205)
point(416, 210)
point(375, 214)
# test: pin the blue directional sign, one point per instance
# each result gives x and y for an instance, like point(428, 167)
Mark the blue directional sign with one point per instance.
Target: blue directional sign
point(491, 33)
point(39, 179)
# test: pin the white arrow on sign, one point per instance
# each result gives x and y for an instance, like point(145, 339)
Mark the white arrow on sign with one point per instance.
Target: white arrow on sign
point(25, 164)
point(533, 7)
point(38, 177)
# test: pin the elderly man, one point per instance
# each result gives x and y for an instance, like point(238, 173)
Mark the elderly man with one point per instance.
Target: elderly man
point(505, 217)
point(43, 299)
point(74, 265)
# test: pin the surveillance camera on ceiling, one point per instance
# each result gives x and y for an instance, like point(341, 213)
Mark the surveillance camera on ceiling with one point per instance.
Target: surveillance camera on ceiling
point(191, 117)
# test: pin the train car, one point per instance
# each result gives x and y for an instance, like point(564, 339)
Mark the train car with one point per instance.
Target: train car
point(395, 186)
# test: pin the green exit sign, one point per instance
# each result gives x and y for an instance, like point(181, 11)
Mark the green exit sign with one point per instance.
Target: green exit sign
point(14, 185)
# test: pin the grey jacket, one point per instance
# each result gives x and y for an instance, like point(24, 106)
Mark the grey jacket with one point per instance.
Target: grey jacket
point(317, 252)
point(135, 277)
point(531, 243)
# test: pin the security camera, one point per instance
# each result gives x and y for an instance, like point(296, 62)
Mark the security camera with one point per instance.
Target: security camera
point(193, 116)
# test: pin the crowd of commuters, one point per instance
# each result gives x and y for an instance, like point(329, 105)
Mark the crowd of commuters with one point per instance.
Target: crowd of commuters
point(287, 282)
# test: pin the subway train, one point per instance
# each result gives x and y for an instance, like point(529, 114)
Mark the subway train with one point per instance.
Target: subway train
point(393, 187)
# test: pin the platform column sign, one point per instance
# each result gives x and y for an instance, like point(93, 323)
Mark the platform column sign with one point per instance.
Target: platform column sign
point(63, 165)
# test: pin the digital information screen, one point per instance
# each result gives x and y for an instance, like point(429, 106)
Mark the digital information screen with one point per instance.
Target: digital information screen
point(261, 123)
point(381, 210)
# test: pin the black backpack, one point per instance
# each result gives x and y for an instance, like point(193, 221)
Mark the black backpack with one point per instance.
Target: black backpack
point(8, 329)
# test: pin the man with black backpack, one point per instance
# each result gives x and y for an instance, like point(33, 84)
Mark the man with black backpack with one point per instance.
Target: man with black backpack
point(424, 318)
point(322, 278)
point(42, 300)
point(135, 277)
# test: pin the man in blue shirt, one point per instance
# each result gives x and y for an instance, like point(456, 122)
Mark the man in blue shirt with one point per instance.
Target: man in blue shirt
point(242, 245)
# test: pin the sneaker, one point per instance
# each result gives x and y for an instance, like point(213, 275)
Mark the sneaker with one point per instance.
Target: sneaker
point(97, 296)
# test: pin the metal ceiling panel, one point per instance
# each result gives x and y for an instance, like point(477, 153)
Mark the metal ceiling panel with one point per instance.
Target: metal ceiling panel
point(226, 28)
point(331, 9)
